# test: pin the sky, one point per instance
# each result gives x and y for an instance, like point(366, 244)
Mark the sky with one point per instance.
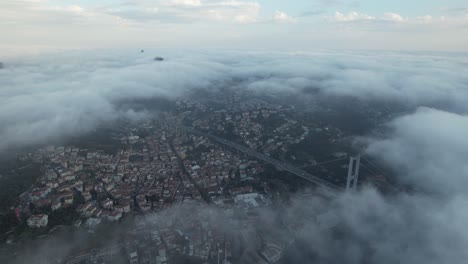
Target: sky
point(35, 26)
point(47, 98)
point(280, 47)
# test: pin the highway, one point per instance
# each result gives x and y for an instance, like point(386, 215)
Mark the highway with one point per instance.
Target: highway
point(278, 164)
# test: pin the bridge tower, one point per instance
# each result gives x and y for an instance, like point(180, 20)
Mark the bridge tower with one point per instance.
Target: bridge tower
point(353, 172)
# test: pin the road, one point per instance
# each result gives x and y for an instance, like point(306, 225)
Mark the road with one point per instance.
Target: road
point(201, 190)
point(278, 164)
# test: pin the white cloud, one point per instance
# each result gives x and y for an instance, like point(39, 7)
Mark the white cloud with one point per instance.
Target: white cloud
point(283, 17)
point(425, 19)
point(176, 11)
point(187, 2)
point(189, 11)
point(47, 98)
point(46, 25)
point(61, 95)
point(72, 8)
point(42, 14)
point(428, 148)
point(393, 17)
point(352, 16)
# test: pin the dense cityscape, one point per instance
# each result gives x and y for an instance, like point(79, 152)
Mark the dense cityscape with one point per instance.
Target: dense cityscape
point(233, 132)
point(136, 171)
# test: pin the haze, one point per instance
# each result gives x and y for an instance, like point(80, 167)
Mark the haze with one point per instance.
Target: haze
point(69, 68)
point(50, 25)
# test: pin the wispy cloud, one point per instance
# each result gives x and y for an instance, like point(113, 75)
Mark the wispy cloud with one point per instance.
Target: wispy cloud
point(44, 98)
point(283, 17)
point(187, 11)
point(352, 16)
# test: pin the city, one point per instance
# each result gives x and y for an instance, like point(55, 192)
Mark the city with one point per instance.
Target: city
point(233, 132)
point(182, 160)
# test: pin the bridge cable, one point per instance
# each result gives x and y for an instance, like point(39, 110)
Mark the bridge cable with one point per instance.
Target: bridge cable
point(375, 166)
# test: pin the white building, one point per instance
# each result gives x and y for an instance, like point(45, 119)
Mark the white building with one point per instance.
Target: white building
point(251, 200)
point(39, 220)
point(114, 216)
point(56, 205)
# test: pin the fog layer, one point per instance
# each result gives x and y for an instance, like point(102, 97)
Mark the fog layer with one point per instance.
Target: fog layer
point(46, 97)
point(51, 96)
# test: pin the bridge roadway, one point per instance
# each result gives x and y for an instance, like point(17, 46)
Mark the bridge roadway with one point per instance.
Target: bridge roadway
point(278, 164)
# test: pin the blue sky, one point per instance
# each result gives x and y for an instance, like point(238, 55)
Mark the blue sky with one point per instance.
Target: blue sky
point(36, 25)
point(297, 7)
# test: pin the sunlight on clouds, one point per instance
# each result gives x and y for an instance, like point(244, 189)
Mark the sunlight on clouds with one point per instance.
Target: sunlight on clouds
point(188, 11)
point(393, 17)
point(424, 19)
point(283, 17)
point(29, 22)
point(186, 2)
point(352, 16)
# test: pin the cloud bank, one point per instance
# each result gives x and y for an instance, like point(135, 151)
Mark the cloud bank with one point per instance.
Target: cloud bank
point(35, 26)
point(42, 98)
point(427, 149)
point(46, 97)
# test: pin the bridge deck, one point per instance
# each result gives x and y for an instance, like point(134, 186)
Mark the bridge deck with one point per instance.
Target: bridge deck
point(280, 165)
